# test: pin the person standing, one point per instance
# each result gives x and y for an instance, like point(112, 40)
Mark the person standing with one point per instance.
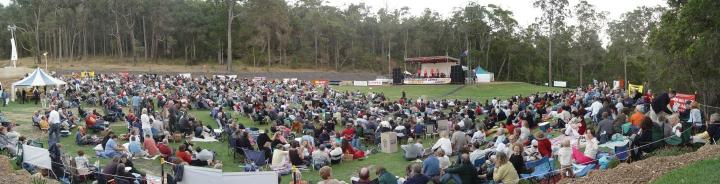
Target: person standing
point(36, 95)
point(54, 119)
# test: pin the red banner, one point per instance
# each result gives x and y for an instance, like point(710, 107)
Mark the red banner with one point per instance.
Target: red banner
point(680, 101)
point(320, 82)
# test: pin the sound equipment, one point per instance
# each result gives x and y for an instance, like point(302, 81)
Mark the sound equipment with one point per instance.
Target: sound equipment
point(457, 75)
point(397, 76)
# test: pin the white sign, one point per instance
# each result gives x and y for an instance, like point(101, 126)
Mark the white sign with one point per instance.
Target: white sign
point(185, 75)
point(39, 157)
point(258, 78)
point(374, 83)
point(560, 83)
point(360, 83)
point(616, 84)
point(269, 177)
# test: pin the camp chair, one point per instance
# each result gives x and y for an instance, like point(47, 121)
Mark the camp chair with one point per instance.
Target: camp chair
point(542, 169)
point(232, 147)
point(622, 153)
point(479, 162)
point(256, 157)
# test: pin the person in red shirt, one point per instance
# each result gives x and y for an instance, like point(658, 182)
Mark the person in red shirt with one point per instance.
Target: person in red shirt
point(543, 144)
point(183, 154)
point(164, 149)
point(349, 132)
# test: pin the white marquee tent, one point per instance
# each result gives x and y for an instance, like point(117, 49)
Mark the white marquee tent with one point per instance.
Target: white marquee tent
point(35, 79)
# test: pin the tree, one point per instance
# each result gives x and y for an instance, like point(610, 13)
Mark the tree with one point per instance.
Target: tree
point(587, 46)
point(554, 14)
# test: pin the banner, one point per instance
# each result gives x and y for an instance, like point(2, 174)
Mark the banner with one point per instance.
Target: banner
point(320, 82)
point(427, 81)
point(201, 175)
point(39, 157)
point(185, 75)
point(560, 83)
point(632, 88)
point(258, 79)
point(680, 101)
point(268, 177)
point(375, 83)
point(616, 84)
point(360, 83)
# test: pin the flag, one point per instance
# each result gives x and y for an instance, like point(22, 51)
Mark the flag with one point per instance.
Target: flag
point(633, 88)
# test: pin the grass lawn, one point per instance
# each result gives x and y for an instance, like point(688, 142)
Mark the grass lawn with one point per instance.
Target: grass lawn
point(700, 172)
point(22, 114)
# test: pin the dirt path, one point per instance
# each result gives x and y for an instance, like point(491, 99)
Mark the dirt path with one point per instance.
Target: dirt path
point(647, 170)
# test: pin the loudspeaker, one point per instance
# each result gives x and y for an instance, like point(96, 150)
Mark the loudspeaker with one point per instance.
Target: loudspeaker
point(398, 76)
point(457, 76)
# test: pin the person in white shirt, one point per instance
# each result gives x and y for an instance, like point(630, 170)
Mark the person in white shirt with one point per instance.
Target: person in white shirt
point(145, 119)
point(565, 158)
point(696, 118)
point(478, 136)
point(443, 143)
point(444, 160)
point(595, 110)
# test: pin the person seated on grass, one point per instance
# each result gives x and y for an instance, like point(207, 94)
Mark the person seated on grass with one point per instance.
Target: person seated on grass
point(109, 170)
point(411, 150)
point(267, 151)
point(642, 139)
point(136, 149)
point(94, 123)
point(150, 146)
point(204, 154)
point(9, 140)
point(517, 159)
point(504, 171)
point(591, 149)
point(415, 175)
point(384, 176)
point(544, 146)
point(112, 148)
point(431, 166)
point(280, 161)
point(164, 148)
point(565, 158)
point(336, 153)
point(183, 154)
point(83, 138)
point(463, 172)
point(83, 164)
point(443, 143)
point(326, 176)
point(363, 176)
point(297, 158)
point(320, 158)
point(349, 149)
point(44, 125)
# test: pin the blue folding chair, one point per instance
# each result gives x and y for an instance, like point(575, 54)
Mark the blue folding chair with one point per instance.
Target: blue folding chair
point(622, 153)
point(582, 170)
point(542, 169)
point(256, 157)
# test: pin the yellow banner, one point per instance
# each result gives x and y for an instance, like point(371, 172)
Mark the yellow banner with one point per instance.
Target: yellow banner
point(632, 88)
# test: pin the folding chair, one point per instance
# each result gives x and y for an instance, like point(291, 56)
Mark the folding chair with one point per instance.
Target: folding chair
point(542, 169)
point(622, 153)
point(256, 157)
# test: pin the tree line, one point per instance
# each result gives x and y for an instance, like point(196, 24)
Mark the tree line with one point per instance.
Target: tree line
point(661, 46)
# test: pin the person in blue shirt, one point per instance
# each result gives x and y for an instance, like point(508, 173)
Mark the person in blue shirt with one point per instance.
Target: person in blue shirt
point(135, 148)
point(431, 166)
point(111, 148)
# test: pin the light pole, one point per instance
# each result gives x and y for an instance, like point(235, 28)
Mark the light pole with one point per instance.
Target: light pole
point(45, 56)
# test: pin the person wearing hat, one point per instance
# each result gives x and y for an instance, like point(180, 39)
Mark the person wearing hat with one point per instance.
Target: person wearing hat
point(543, 144)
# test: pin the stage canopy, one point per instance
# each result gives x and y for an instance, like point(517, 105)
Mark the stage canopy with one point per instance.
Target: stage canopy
point(37, 78)
point(432, 59)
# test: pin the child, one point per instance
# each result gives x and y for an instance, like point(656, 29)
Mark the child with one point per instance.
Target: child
point(565, 158)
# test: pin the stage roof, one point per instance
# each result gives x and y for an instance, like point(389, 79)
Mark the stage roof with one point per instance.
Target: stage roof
point(432, 59)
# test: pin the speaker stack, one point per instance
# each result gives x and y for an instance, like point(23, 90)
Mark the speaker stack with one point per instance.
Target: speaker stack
point(397, 76)
point(457, 76)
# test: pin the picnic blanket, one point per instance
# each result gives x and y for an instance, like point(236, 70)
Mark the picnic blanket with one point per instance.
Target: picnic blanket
point(617, 140)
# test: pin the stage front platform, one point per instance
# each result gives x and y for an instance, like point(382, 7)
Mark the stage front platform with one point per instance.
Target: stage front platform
point(414, 81)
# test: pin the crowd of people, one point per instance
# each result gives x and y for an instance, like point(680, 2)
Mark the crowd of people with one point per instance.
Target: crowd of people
point(316, 127)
